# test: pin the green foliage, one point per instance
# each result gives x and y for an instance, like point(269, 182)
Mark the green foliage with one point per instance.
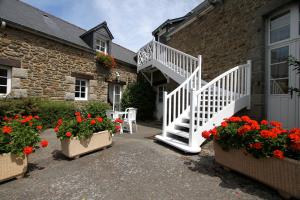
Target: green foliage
point(140, 95)
point(24, 106)
point(51, 111)
point(296, 63)
point(18, 133)
point(105, 59)
point(83, 127)
point(96, 108)
point(262, 140)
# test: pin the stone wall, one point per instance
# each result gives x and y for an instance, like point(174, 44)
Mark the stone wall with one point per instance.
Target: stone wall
point(48, 67)
point(228, 35)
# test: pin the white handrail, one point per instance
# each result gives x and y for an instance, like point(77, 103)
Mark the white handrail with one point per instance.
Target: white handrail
point(178, 101)
point(225, 89)
point(177, 61)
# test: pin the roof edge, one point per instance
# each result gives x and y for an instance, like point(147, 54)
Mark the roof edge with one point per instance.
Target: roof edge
point(44, 35)
point(101, 25)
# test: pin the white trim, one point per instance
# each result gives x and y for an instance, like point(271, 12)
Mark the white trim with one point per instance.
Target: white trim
point(100, 46)
point(86, 90)
point(114, 95)
point(9, 77)
point(294, 38)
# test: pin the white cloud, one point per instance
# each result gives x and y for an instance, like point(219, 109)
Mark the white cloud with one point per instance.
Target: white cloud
point(130, 21)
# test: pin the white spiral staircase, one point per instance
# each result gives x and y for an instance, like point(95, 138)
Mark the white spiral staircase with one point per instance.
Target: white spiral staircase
point(194, 106)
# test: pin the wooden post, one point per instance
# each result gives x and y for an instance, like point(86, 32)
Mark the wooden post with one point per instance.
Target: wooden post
point(249, 73)
point(192, 137)
point(165, 113)
point(200, 71)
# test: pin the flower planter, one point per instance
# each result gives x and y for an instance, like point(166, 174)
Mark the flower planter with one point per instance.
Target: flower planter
point(12, 166)
point(74, 147)
point(282, 175)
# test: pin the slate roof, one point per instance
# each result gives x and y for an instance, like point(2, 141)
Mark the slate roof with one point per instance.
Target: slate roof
point(198, 9)
point(21, 14)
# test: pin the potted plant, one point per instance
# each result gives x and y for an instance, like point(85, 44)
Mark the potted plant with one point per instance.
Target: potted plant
point(84, 134)
point(263, 151)
point(19, 137)
point(105, 60)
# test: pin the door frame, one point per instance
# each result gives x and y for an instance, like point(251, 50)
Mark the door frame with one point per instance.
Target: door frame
point(291, 42)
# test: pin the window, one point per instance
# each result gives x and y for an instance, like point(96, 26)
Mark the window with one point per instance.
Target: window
point(279, 72)
point(101, 46)
point(280, 27)
point(81, 89)
point(5, 80)
point(161, 90)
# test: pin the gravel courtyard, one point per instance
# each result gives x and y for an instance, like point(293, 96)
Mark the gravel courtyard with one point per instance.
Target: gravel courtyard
point(135, 167)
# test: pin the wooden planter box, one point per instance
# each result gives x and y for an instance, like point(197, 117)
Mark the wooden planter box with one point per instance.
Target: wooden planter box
point(282, 175)
point(12, 166)
point(74, 147)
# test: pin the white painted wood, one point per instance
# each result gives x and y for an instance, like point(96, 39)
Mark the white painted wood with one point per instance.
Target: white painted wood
point(194, 104)
point(8, 79)
point(281, 106)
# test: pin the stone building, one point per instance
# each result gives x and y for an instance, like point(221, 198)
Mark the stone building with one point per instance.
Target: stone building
point(44, 56)
point(230, 32)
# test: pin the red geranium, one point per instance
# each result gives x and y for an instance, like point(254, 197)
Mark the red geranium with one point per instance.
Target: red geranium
point(234, 119)
point(264, 122)
point(6, 130)
point(36, 117)
point(56, 129)
point(59, 122)
point(117, 128)
point(44, 143)
point(78, 119)
point(206, 134)
point(39, 127)
point(244, 129)
point(100, 119)
point(276, 124)
point(77, 113)
point(93, 122)
point(268, 134)
point(118, 120)
point(27, 150)
point(214, 132)
point(294, 137)
point(68, 134)
point(224, 124)
point(256, 145)
point(278, 154)
point(89, 116)
point(246, 119)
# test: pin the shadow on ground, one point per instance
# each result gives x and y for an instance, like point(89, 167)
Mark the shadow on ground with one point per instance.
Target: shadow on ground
point(206, 165)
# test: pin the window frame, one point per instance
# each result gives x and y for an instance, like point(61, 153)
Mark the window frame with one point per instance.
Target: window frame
point(98, 44)
point(294, 10)
point(80, 92)
point(8, 83)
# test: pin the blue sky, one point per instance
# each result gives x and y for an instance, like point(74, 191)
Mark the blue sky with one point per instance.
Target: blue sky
point(130, 21)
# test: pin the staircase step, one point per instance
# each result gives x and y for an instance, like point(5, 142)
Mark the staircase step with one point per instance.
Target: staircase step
point(178, 133)
point(178, 144)
point(182, 124)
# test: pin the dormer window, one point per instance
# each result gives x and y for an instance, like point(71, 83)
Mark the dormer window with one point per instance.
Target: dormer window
point(101, 46)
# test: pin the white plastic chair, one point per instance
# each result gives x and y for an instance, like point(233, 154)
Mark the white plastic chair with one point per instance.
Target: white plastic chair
point(130, 118)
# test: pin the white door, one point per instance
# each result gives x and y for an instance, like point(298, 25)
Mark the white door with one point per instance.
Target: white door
point(159, 102)
point(115, 96)
point(283, 31)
